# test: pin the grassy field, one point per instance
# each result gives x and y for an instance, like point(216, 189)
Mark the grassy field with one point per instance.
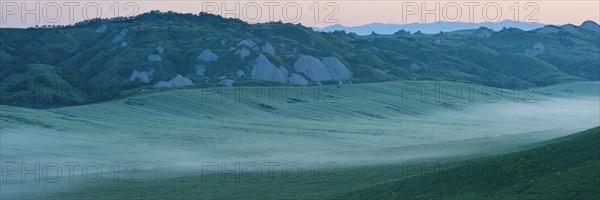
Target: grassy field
point(557, 169)
point(564, 168)
point(353, 135)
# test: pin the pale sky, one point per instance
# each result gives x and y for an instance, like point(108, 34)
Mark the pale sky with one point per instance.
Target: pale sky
point(309, 12)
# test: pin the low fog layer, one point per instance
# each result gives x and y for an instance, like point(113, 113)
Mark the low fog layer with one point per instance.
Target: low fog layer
point(355, 130)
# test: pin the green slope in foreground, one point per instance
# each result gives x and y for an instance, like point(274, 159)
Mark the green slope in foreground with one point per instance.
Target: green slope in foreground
point(564, 168)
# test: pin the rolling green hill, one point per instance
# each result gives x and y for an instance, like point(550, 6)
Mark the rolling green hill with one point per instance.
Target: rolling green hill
point(105, 53)
point(563, 168)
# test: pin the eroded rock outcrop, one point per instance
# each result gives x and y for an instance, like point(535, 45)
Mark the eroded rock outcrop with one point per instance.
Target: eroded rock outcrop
point(242, 52)
point(263, 69)
point(338, 70)
point(224, 41)
point(121, 35)
point(207, 55)
point(313, 68)
point(267, 49)
point(329, 68)
point(102, 28)
point(160, 49)
point(247, 42)
point(297, 79)
point(154, 57)
point(143, 76)
point(177, 81)
point(284, 70)
point(240, 73)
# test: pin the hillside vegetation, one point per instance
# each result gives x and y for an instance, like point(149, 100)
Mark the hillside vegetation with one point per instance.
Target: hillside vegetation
point(563, 168)
point(150, 51)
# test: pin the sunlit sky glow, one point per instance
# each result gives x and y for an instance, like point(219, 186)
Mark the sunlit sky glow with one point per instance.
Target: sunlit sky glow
point(349, 12)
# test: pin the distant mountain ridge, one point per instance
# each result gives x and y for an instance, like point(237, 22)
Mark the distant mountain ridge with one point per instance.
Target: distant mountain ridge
point(437, 27)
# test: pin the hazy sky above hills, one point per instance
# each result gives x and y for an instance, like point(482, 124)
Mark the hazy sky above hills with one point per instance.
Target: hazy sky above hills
point(310, 13)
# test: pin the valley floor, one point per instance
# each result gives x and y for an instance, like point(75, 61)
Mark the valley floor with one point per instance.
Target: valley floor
point(344, 138)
